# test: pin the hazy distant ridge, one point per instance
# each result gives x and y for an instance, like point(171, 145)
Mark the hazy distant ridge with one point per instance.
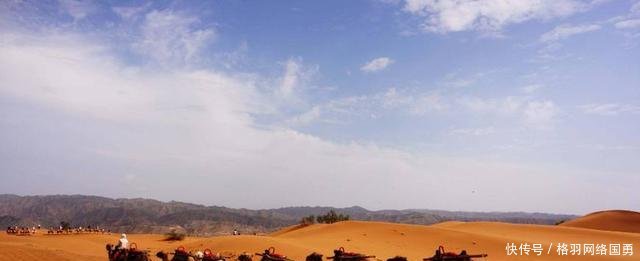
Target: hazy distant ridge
point(153, 216)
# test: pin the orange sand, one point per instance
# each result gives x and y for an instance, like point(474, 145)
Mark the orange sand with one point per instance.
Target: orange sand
point(612, 220)
point(375, 238)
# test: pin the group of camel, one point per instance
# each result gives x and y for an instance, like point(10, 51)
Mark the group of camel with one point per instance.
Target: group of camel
point(181, 254)
point(21, 231)
point(78, 230)
point(28, 231)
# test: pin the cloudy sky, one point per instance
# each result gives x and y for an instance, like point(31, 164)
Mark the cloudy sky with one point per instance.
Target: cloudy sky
point(483, 105)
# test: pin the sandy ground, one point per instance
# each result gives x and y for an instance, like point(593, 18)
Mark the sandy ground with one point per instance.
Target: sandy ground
point(614, 220)
point(381, 239)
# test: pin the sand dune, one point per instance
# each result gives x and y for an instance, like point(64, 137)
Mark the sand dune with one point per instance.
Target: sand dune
point(381, 239)
point(611, 220)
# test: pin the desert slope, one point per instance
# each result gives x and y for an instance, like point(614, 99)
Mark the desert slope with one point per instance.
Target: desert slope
point(611, 220)
point(376, 238)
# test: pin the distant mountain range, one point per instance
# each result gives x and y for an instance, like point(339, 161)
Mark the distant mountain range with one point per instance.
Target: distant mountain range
point(153, 216)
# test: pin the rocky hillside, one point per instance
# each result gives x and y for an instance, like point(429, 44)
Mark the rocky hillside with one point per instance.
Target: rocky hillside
point(152, 216)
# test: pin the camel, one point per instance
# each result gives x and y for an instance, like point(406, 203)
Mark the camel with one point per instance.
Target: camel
point(271, 255)
point(397, 258)
point(315, 257)
point(180, 254)
point(341, 255)
point(131, 254)
point(442, 255)
point(208, 255)
point(245, 257)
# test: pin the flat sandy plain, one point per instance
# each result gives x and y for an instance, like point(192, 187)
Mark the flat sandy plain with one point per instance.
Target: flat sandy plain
point(383, 240)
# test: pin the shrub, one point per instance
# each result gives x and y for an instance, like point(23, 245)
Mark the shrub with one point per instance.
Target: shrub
point(174, 235)
point(308, 220)
point(65, 225)
point(332, 217)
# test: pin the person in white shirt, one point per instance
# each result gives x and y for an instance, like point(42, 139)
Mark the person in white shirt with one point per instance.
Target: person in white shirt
point(123, 243)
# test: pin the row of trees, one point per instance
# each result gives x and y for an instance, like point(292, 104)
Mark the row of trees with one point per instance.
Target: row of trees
point(329, 218)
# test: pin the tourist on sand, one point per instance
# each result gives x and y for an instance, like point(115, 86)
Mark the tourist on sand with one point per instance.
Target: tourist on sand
point(123, 243)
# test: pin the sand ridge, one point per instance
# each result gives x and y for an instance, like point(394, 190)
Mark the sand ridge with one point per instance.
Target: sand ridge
point(374, 238)
point(611, 220)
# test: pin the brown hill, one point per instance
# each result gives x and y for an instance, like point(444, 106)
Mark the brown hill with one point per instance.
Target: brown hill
point(612, 220)
point(154, 217)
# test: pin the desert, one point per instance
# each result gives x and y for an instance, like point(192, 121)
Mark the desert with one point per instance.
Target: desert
point(384, 240)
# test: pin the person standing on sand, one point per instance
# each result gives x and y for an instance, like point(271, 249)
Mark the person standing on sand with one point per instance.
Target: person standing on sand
point(123, 243)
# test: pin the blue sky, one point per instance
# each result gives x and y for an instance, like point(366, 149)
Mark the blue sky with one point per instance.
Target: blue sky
point(528, 105)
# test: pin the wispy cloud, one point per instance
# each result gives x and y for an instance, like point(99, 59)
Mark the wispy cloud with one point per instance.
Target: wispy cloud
point(635, 8)
point(541, 114)
point(488, 15)
point(474, 131)
point(307, 117)
point(565, 31)
point(78, 9)
point(609, 109)
point(130, 12)
point(377, 64)
point(501, 106)
point(172, 37)
point(628, 24)
point(532, 88)
point(296, 76)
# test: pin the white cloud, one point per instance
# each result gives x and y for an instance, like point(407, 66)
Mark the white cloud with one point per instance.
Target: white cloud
point(635, 8)
point(130, 12)
point(291, 77)
point(529, 89)
point(474, 131)
point(391, 101)
point(487, 15)
point(628, 24)
point(306, 117)
point(392, 98)
point(377, 64)
point(85, 78)
point(431, 102)
point(540, 114)
point(78, 9)
point(500, 106)
point(416, 103)
point(609, 109)
point(171, 38)
point(296, 76)
point(565, 31)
